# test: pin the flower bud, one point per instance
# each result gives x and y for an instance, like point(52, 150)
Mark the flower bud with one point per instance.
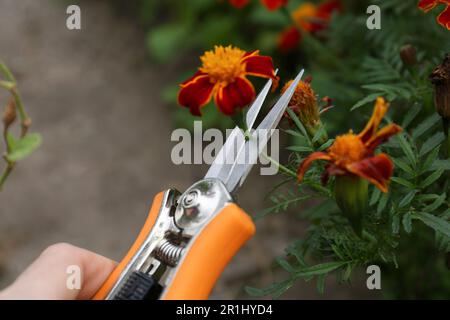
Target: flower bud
point(9, 115)
point(305, 106)
point(408, 54)
point(351, 193)
point(440, 78)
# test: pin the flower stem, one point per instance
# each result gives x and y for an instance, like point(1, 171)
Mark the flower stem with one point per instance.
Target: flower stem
point(279, 165)
point(11, 85)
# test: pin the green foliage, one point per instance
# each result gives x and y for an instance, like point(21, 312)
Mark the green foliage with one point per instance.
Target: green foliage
point(418, 195)
point(353, 66)
point(23, 147)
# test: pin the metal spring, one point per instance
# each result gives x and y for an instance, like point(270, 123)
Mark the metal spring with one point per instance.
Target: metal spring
point(168, 253)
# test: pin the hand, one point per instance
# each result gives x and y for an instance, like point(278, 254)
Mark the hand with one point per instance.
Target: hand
point(46, 278)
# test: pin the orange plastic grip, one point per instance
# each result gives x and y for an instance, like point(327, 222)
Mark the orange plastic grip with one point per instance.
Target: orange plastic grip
point(211, 251)
point(148, 225)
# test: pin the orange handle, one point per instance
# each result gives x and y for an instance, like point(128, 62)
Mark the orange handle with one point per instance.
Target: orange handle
point(209, 254)
point(148, 225)
point(211, 251)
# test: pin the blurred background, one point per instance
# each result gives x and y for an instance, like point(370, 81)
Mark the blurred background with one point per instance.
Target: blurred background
point(103, 99)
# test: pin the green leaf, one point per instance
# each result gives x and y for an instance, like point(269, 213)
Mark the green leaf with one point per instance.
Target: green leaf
point(11, 140)
point(440, 165)
point(382, 203)
point(436, 203)
point(430, 159)
point(403, 182)
point(319, 269)
point(434, 222)
point(319, 134)
point(285, 265)
point(299, 124)
point(275, 289)
point(411, 115)
point(370, 98)
point(425, 125)
point(326, 145)
point(407, 149)
point(403, 165)
point(24, 147)
point(375, 196)
point(321, 283)
point(432, 178)
point(431, 143)
point(407, 199)
point(300, 149)
point(395, 225)
point(406, 221)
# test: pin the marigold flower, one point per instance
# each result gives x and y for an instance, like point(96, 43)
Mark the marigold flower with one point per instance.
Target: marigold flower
point(310, 17)
point(274, 4)
point(353, 154)
point(223, 75)
point(444, 17)
point(239, 3)
point(289, 39)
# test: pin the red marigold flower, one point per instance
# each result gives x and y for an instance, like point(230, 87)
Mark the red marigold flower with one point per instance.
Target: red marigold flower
point(289, 39)
point(311, 17)
point(274, 4)
point(223, 76)
point(444, 17)
point(239, 3)
point(353, 155)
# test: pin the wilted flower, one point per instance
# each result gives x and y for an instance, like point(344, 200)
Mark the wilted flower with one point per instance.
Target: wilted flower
point(353, 154)
point(223, 75)
point(444, 17)
point(440, 77)
point(305, 106)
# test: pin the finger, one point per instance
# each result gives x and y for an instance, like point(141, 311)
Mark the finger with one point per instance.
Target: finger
point(51, 275)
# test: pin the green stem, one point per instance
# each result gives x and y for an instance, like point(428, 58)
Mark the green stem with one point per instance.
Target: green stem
point(11, 85)
point(6, 72)
point(6, 172)
point(279, 165)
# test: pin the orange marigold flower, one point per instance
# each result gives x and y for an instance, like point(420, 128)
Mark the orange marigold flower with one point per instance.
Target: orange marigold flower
point(289, 39)
point(274, 4)
point(239, 3)
point(223, 76)
point(353, 154)
point(310, 17)
point(444, 17)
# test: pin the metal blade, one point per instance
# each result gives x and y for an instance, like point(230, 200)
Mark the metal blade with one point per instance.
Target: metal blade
point(221, 166)
point(253, 112)
point(256, 144)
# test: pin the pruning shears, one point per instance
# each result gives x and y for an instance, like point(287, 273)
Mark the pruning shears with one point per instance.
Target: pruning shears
point(189, 238)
